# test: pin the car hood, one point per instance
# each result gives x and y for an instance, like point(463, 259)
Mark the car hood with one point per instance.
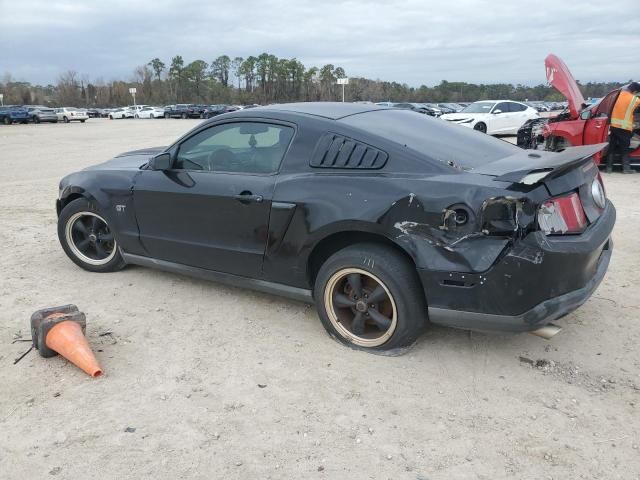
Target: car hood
point(129, 160)
point(559, 76)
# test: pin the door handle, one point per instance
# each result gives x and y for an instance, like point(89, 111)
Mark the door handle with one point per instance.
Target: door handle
point(248, 197)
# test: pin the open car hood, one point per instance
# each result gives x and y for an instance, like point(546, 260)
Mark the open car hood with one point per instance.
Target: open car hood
point(559, 76)
point(530, 167)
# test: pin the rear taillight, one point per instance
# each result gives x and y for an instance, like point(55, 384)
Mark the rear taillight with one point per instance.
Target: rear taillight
point(562, 215)
point(598, 192)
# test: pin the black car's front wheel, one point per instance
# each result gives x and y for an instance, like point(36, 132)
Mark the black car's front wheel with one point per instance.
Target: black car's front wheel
point(87, 238)
point(480, 127)
point(369, 295)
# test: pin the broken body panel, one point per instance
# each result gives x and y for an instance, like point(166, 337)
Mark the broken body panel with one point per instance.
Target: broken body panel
point(470, 228)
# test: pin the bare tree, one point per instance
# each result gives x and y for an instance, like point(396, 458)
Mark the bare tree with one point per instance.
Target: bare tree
point(68, 89)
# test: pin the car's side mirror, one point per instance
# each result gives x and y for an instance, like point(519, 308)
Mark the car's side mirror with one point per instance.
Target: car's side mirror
point(585, 115)
point(495, 112)
point(161, 162)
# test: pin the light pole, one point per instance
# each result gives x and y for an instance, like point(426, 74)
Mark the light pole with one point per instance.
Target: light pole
point(343, 82)
point(132, 91)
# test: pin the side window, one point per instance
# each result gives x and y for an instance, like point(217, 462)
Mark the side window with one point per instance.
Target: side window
point(517, 107)
point(243, 147)
point(503, 107)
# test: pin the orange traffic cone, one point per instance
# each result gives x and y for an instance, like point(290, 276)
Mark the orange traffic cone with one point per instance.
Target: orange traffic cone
point(61, 330)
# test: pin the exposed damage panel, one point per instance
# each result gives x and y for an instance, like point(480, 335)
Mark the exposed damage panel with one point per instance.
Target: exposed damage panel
point(458, 237)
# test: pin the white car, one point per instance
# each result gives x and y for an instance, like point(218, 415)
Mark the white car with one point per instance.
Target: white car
point(71, 114)
point(124, 112)
point(495, 117)
point(150, 112)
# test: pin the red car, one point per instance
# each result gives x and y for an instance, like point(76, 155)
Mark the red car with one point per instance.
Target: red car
point(582, 125)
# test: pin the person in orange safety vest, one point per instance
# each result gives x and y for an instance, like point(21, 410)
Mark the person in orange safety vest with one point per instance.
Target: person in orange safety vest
point(621, 131)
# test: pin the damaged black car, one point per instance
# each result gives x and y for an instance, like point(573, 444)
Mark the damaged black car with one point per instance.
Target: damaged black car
point(385, 219)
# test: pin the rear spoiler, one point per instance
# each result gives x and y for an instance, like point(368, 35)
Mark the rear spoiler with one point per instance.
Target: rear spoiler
point(530, 167)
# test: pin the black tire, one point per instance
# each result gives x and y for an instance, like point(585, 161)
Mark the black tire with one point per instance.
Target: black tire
point(166, 115)
point(184, 116)
point(82, 121)
point(403, 309)
point(480, 127)
point(36, 119)
point(7, 121)
point(66, 120)
point(83, 213)
point(151, 115)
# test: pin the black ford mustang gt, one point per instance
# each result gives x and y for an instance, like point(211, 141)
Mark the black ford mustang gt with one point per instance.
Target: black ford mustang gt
point(386, 219)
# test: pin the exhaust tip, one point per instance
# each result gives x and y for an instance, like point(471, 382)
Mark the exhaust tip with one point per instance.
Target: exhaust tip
point(547, 332)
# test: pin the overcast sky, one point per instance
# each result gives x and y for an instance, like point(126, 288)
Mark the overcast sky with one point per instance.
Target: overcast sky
point(412, 41)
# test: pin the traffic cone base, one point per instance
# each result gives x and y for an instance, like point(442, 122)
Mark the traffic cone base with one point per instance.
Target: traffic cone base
point(67, 339)
point(60, 330)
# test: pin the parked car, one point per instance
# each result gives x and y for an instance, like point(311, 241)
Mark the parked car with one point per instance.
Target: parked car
point(71, 114)
point(124, 112)
point(183, 110)
point(446, 109)
point(135, 109)
point(494, 117)
point(416, 107)
point(150, 112)
point(451, 106)
point(13, 114)
point(214, 110)
point(436, 109)
point(93, 112)
point(386, 219)
point(38, 114)
point(580, 123)
point(539, 106)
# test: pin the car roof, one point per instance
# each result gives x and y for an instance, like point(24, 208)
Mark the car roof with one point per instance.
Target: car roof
point(330, 110)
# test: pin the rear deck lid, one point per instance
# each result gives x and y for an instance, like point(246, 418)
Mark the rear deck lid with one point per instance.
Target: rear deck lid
point(559, 76)
point(530, 167)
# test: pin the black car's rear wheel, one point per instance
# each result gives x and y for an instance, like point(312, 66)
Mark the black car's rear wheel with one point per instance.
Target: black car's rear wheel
point(87, 239)
point(184, 115)
point(166, 115)
point(7, 121)
point(369, 295)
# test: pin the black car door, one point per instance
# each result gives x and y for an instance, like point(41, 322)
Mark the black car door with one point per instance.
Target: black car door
point(211, 208)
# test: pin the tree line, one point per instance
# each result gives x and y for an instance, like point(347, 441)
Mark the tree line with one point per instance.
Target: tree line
point(261, 79)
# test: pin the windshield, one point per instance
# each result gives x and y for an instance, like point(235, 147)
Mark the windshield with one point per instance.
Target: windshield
point(479, 107)
point(433, 138)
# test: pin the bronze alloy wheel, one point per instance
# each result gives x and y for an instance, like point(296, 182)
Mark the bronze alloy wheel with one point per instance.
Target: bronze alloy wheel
point(360, 307)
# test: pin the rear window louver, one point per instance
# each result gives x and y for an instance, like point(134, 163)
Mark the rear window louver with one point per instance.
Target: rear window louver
point(337, 151)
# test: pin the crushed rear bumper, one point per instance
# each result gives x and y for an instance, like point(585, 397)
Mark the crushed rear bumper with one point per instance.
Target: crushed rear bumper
point(534, 283)
point(540, 315)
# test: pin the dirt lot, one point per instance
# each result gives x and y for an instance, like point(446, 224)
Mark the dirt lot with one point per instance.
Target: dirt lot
point(206, 381)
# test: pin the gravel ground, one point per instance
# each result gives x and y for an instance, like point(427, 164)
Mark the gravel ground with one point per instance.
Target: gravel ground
point(206, 381)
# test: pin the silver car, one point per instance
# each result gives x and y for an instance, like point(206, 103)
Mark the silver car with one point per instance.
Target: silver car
point(38, 113)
